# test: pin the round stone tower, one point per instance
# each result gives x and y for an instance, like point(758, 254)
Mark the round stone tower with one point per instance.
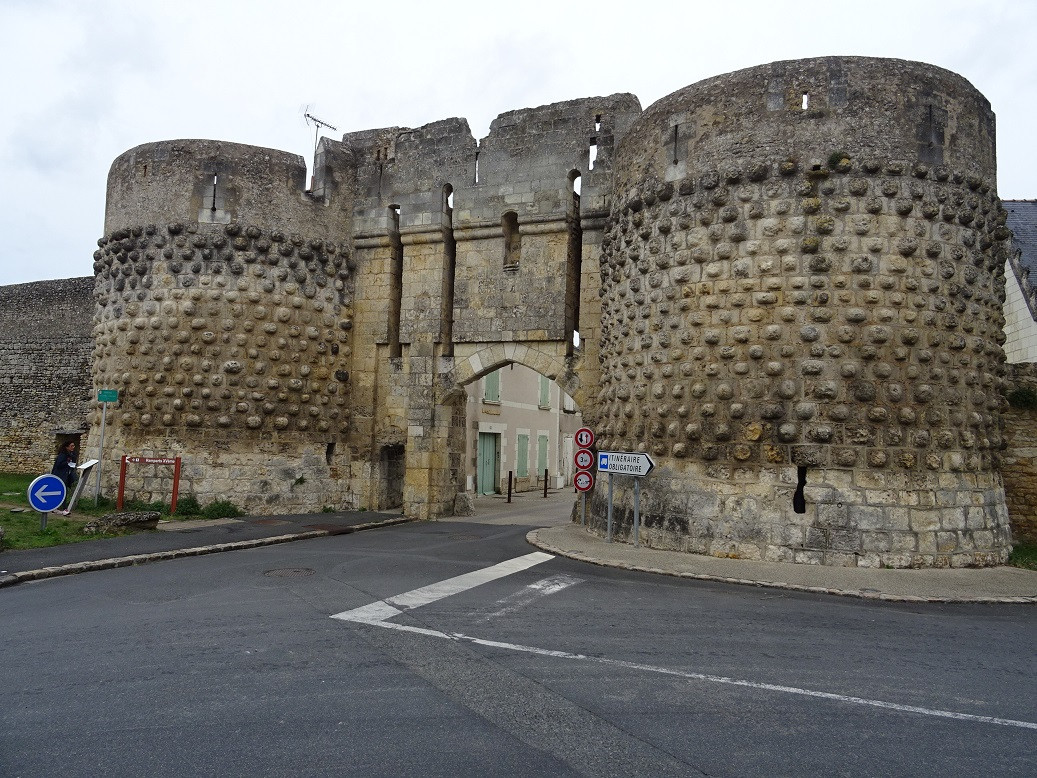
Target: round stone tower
point(223, 318)
point(802, 278)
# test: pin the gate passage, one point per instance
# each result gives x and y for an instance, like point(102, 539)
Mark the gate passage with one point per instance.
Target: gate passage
point(175, 462)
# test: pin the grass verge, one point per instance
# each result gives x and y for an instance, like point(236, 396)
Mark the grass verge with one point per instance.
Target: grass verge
point(1024, 555)
point(22, 531)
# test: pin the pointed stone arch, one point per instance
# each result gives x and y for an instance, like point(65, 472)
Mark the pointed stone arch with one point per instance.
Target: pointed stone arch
point(488, 358)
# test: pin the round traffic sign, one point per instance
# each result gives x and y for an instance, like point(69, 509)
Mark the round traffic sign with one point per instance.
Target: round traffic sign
point(584, 459)
point(584, 437)
point(584, 481)
point(46, 493)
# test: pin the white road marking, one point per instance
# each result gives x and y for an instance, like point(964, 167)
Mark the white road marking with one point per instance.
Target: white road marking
point(377, 614)
point(393, 606)
point(531, 593)
point(691, 676)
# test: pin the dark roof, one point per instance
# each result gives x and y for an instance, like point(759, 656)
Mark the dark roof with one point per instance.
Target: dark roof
point(1022, 221)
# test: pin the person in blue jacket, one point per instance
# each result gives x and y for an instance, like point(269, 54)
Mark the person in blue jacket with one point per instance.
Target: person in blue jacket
point(65, 467)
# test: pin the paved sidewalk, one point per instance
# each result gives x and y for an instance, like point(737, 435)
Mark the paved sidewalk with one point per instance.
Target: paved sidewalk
point(176, 539)
point(988, 585)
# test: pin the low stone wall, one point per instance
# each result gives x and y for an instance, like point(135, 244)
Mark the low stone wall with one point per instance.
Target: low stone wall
point(1019, 468)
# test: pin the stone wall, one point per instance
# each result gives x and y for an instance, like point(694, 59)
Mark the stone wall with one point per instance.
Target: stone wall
point(1019, 467)
point(45, 388)
point(802, 286)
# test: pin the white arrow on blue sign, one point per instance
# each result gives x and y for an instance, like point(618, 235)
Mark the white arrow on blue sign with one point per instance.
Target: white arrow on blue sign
point(46, 493)
point(625, 463)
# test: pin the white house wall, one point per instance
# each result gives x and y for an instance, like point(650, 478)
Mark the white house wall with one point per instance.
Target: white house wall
point(1020, 328)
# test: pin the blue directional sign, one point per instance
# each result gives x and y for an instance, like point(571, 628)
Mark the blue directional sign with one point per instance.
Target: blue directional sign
point(46, 493)
point(633, 463)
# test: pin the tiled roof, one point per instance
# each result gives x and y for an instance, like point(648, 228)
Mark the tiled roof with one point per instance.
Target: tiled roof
point(1022, 221)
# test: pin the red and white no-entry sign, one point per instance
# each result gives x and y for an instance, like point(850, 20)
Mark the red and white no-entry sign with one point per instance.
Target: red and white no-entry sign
point(584, 481)
point(584, 437)
point(584, 459)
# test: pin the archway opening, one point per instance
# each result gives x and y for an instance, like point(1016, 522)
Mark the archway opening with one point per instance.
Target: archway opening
point(520, 431)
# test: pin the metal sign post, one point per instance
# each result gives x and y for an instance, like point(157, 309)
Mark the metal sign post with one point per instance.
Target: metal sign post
point(104, 397)
point(632, 463)
point(637, 510)
point(584, 459)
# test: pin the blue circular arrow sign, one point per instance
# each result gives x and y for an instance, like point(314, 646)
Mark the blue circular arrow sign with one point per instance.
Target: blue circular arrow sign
point(46, 493)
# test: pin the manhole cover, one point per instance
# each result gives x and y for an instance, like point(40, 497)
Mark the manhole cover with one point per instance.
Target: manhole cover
point(289, 572)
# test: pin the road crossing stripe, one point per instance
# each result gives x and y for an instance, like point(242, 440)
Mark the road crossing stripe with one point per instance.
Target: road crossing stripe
point(393, 606)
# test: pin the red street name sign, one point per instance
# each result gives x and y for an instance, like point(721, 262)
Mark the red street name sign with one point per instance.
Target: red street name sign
point(150, 461)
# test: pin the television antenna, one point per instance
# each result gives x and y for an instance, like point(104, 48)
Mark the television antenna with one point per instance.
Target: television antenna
point(318, 124)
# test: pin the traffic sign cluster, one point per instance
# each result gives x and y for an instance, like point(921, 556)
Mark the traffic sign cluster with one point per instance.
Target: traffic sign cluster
point(584, 479)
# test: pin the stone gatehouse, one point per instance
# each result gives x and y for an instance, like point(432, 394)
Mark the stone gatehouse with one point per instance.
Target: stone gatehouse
point(787, 283)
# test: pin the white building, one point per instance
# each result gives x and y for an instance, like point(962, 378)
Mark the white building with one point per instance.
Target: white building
point(1021, 282)
point(522, 423)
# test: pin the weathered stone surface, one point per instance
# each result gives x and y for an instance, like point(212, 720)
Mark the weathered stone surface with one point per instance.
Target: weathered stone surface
point(464, 504)
point(45, 349)
point(130, 519)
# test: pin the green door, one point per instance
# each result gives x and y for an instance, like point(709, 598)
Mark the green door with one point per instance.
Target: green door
point(489, 462)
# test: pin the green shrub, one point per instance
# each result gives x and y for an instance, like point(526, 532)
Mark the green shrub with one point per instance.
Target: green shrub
point(1023, 397)
point(1024, 555)
point(221, 509)
point(188, 506)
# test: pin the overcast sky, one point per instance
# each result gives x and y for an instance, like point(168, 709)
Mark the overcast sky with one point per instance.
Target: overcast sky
point(85, 81)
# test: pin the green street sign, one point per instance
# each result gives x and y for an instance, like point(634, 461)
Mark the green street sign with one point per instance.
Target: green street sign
point(108, 396)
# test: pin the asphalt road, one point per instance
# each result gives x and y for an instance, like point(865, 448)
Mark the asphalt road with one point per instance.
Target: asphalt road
point(232, 665)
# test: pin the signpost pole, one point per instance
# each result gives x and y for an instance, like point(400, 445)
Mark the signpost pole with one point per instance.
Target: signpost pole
point(637, 510)
point(176, 484)
point(609, 536)
point(584, 522)
point(100, 454)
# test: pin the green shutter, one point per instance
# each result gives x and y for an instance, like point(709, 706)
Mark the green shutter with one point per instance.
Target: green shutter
point(522, 465)
point(545, 392)
point(491, 387)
